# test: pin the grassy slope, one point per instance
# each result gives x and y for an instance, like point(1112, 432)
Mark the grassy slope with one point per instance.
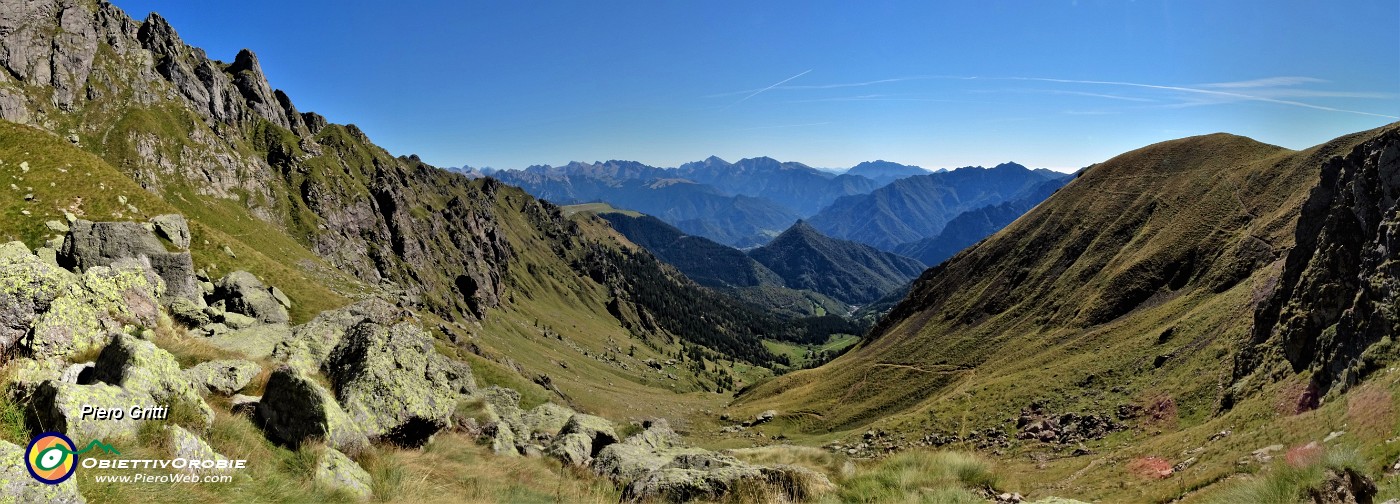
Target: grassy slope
point(1048, 324)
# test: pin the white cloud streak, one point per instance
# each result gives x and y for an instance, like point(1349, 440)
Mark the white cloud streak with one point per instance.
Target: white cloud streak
point(1229, 95)
point(756, 93)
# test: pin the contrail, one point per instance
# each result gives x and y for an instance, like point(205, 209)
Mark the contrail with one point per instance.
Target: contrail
point(1211, 92)
point(756, 93)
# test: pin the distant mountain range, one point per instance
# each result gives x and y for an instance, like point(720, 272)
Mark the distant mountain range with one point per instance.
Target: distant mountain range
point(914, 208)
point(972, 226)
point(845, 270)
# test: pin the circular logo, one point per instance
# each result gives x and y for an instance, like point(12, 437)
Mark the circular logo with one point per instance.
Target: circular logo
point(51, 458)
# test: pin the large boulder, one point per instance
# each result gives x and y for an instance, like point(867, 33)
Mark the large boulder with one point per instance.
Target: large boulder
point(546, 419)
point(27, 288)
point(337, 472)
point(141, 366)
point(241, 292)
point(688, 485)
point(393, 383)
point(311, 343)
point(187, 445)
point(90, 244)
point(572, 449)
point(16, 485)
point(86, 313)
point(295, 409)
point(599, 431)
point(224, 377)
point(503, 406)
point(57, 406)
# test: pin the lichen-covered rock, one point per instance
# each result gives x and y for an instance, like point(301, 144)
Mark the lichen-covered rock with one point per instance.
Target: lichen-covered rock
point(502, 438)
point(572, 449)
point(223, 376)
point(86, 313)
point(187, 445)
point(80, 374)
point(337, 472)
point(241, 404)
point(243, 293)
point(687, 485)
point(598, 429)
point(391, 382)
point(546, 419)
point(17, 486)
point(311, 343)
point(173, 227)
point(141, 366)
point(188, 312)
point(503, 405)
point(281, 297)
point(255, 342)
point(236, 321)
point(295, 409)
point(27, 288)
point(57, 406)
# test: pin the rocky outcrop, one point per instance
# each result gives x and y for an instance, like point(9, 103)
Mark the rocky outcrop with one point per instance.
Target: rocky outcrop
point(1331, 303)
point(27, 288)
point(17, 484)
point(224, 377)
point(88, 312)
point(295, 409)
point(394, 384)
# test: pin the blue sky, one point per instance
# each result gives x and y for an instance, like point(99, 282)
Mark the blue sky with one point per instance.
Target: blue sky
point(1059, 84)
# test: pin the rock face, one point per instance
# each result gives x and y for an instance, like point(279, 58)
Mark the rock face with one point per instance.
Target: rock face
point(17, 484)
point(1330, 305)
point(295, 409)
point(86, 313)
point(243, 293)
point(90, 244)
point(224, 377)
point(394, 384)
point(27, 288)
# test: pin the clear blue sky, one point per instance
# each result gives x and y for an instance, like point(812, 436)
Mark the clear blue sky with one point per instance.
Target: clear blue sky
point(1058, 84)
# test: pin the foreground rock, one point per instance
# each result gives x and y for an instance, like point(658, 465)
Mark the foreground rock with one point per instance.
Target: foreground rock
point(311, 343)
point(337, 472)
point(90, 244)
point(295, 409)
point(241, 292)
point(28, 287)
point(57, 406)
point(86, 313)
point(16, 485)
point(394, 384)
point(141, 366)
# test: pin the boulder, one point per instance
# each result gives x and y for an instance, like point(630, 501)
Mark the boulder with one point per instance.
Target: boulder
point(598, 429)
point(236, 321)
point(295, 409)
point(254, 342)
point(57, 406)
point(174, 228)
point(222, 377)
point(311, 343)
point(188, 312)
point(241, 404)
point(27, 288)
point(79, 374)
point(243, 293)
point(503, 405)
point(688, 485)
point(572, 449)
point(546, 419)
point(281, 297)
point(85, 315)
point(90, 244)
point(393, 383)
point(16, 485)
point(141, 366)
point(337, 472)
point(187, 445)
point(502, 438)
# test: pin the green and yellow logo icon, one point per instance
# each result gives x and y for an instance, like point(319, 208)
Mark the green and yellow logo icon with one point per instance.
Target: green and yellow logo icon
point(52, 457)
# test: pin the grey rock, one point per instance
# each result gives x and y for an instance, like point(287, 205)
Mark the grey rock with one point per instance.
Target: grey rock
point(254, 342)
point(295, 409)
point(238, 321)
point(243, 293)
point(27, 288)
point(241, 404)
point(175, 228)
point(85, 316)
point(188, 312)
point(311, 343)
point(90, 244)
point(16, 485)
point(337, 472)
point(141, 366)
point(546, 419)
point(572, 449)
point(393, 383)
point(79, 374)
point(598, 429)
point(223, 376)
point(502, 439)
point(57, 406)
point(281, 297)
point(187, 445)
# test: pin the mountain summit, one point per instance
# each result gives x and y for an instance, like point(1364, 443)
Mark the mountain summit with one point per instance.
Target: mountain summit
point(845, 270)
